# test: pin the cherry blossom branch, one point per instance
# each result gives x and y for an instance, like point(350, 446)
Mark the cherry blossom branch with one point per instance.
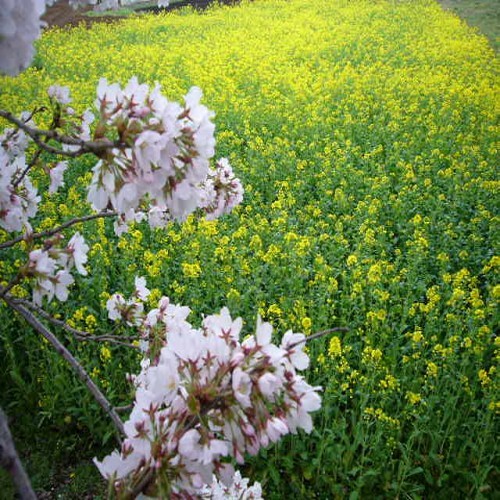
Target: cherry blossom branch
point(95, 147)
point(77, 367)
point(36, 156)
point(30, 165)
point(10, 461)
point(58, 229)
point(79, 334)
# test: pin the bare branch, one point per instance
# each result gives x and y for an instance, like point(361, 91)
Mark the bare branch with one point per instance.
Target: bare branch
point(77, 367)
point(13, 282)
point(320, 334)
point(124, 408)
point(79, 334)
point(30, 165)
point(95, 147)
point(58, 229)
point(9, 460)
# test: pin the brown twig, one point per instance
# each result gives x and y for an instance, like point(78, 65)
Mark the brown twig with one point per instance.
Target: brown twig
point(10, 461)
point(58, 229)
point(79, 334)
point(320, 334)
point(77, 367)
point(4, 290)
point(124, 408)
point(30, 165)
point(95, 147)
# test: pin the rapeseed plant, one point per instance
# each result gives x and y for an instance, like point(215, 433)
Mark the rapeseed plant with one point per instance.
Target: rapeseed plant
point(366, 135)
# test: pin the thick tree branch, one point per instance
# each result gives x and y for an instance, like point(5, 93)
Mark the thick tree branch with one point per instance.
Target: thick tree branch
point(9, 460)
point(58, 229)
point(77, 367)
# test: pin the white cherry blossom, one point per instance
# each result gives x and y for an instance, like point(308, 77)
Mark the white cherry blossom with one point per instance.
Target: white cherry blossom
point(57, 176)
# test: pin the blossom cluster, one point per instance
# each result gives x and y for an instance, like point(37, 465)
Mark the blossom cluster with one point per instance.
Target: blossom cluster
point(162, 158)
point(50, 267)
point(18, 197)
point(239, 489)
point(204, 397)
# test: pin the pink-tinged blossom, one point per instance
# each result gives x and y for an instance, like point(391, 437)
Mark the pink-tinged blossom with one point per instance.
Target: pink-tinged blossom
point(222, 191)
point(78, 250)
point(294, 344)
point(269, 385)
point(299, 414)
point(20, 26)
point(123, 221)
point(242, 387)
point(40, 263)
point(162, 381)
point(263, 333)
point(50, 267)
point(262, 339)
point(98, 195)
point(222, 325)
point(159, 217)
point(114, 306)
point(18, 198)
point(130, 312)
point(238, 488)
point(87, 119)
point(61, 282)
point(42, 268)
point(118, 466)
point(187, 344)
point(140, 288)
point(59, 94)
point(11, 213)
point(204, 451)
point(276, 428)
point(57, 176)
point(108, 96)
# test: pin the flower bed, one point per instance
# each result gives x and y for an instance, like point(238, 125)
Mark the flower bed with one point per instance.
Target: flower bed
point(366, 137)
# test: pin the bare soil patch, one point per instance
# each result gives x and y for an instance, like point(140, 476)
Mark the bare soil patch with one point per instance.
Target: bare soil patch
point(62, 14)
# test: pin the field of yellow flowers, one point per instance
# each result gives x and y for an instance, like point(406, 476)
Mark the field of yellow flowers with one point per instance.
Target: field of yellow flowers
point(366, 135)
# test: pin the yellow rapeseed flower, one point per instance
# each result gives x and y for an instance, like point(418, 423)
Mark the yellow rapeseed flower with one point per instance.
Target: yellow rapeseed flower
point(335, 347)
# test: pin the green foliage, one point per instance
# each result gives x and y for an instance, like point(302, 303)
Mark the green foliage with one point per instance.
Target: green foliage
point(366, 136)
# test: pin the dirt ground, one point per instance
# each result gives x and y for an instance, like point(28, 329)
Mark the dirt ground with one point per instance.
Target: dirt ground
point(61, 14)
